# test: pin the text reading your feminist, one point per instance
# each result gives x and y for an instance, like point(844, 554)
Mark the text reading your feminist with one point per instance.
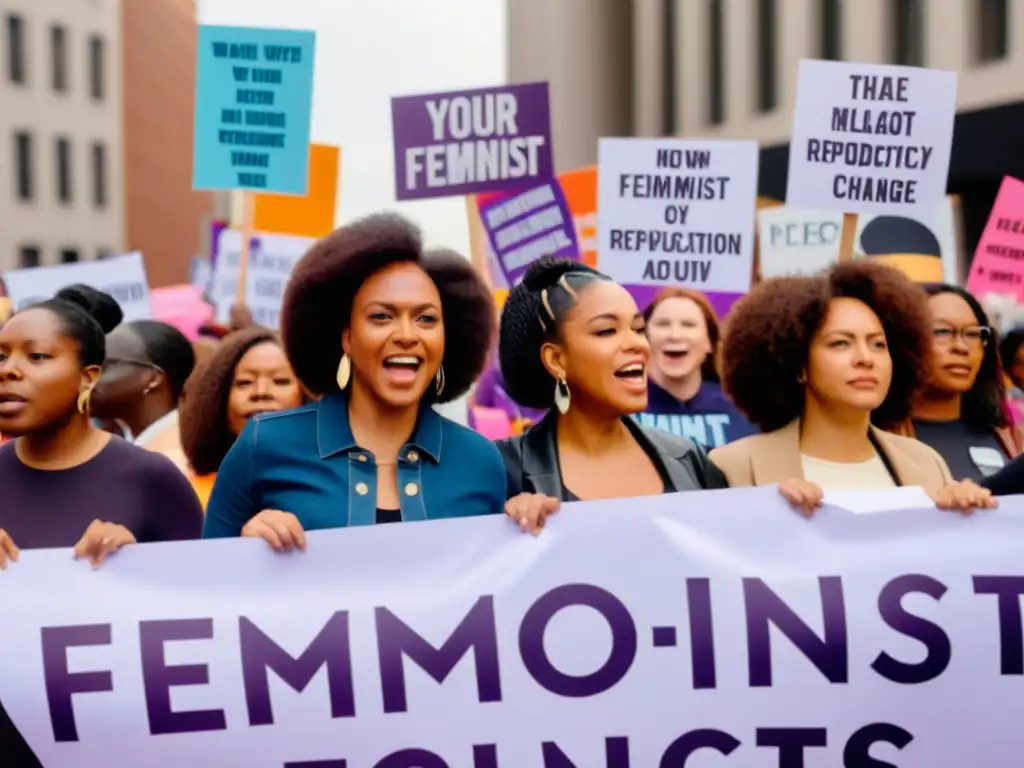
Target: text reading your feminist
point(255, 128)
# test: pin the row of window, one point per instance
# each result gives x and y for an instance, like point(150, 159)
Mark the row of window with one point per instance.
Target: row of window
point(24, 147)
point(17, 57)
point(30, 256)
point(907, 25)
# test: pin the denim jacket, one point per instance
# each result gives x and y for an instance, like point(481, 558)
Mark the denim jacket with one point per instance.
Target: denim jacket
point(305, 461)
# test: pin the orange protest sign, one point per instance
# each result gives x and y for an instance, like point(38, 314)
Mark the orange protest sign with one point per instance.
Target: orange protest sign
point(580, 189)
point(311, 215)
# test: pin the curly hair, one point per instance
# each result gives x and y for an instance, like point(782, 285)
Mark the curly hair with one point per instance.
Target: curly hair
point(317, 305)
point(708, 369)
point(768, 333)
point(984, 405)
point(202, 412)
point(532, 315)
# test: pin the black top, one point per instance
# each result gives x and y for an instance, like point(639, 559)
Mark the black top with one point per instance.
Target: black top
point(971, 454)
point(389, 515)
point(1009, 481)
point(531, 460)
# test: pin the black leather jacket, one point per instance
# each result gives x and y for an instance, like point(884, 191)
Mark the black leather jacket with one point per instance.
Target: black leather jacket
point(532, 459)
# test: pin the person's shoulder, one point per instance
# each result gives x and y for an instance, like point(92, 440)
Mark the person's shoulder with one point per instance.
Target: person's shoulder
point(909, 446)
point(468, 444)
point(277, 429)
point(739, 450)
point(667, 443)
point(145, 465)
point(281, 421)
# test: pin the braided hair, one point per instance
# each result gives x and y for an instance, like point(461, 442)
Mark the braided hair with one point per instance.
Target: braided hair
point(532, 316)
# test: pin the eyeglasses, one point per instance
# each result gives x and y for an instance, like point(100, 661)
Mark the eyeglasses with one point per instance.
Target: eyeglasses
point(976, 337)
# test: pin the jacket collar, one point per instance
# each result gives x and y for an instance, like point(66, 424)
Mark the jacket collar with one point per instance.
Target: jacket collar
point(334, 435)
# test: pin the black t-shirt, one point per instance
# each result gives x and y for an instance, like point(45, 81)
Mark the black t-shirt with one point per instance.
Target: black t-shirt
point(972, 454)
point(389, 515)
point(1009, 481)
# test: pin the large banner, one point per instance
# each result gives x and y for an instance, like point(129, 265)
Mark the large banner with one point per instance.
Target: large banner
point(697, 630)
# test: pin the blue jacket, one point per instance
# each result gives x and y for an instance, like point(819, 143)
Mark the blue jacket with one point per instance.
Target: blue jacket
point(305, 461)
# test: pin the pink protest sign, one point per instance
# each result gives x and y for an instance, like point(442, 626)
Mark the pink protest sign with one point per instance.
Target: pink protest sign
point(998, 265)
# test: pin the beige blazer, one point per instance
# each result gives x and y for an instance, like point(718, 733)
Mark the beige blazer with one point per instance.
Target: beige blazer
point(775, 456)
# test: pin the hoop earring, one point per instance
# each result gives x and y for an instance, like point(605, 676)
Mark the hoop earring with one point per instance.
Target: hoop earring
point(439, 380)
point(83, 401)
point(344, 371)
point(562, 396)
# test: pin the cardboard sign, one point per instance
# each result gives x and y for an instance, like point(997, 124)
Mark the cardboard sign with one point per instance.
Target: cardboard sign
point(998, 265)
point(797, 241)
point(464, 142)
point(677, 212)
point(254, 90)
point(870, 138)
point(311, 215)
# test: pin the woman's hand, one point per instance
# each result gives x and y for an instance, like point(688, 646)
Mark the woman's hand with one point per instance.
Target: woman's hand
point(101, 540)
point(804, 496)
point(281, 530)
point(8, 549)
point(530, 510)
point(964, 496)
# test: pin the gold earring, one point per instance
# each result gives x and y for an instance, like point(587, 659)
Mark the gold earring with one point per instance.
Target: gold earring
point(439, 380)
point(83, 401)
point(344, 371)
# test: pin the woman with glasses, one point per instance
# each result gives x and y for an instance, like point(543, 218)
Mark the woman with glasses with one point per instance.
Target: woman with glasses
point(962, 411)
point(147, 365)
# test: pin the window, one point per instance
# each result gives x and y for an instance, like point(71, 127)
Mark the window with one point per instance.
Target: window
point(29, 256)
point(668, 67)
point(68, 255)
point(908, 33)
point(830, 16)
point(97, 68)
point(993, 39)
point(63, 151)
point(767, 56)
point(99, 175)
point(59, 58)
point(16, 49)
point(24, 180)
point(716, 63)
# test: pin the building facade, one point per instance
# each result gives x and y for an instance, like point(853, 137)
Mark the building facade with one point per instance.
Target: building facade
point(61, 167)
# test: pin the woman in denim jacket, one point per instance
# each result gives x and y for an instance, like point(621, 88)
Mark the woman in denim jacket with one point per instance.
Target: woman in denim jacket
point(383, 330)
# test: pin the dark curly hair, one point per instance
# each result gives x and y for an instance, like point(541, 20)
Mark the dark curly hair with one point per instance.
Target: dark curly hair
point(1008, 349)
point(86, 315)
point(767, 339)
point(318, 301)
point(202, 412)
point(532, 315)
point(984, 405)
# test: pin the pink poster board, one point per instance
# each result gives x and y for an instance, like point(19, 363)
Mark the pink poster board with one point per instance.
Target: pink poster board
point(998, 265)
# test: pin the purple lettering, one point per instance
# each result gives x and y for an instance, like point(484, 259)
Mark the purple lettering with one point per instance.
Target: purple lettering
point(158, 678)
point(535, 657)
point(791, 743)
point(702, 633)
point(932, 636)
point(616, 754)
point(855, 754)
point(475, 632)
point(1007, 590)
point(61, 684)
point(484, 756)
point(764, 608)
point(329, 648)
point(680, 750)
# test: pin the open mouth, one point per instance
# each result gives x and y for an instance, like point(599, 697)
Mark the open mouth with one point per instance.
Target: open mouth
point(402, 369)
point(675, 354)
point(632, 372)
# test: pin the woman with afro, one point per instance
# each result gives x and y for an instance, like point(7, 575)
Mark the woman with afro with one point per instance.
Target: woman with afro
point(819, 364)
point(382, 330)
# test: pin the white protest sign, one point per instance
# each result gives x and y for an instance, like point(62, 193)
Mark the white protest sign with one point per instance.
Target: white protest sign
point(706, 629)
point(271, 259)
point(123, 277)
point(797, 241)
point(677, 212)
point(870, 138)
point(918, 236)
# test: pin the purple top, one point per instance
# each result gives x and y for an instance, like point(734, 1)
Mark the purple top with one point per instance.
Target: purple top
point(123, 484)
point(708, 418)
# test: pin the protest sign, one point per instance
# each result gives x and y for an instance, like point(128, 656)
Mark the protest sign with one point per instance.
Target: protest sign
point(998, 266)
point(870, 138)
point(123, 277)
point(310, 215)
point(695, 629)
point(271, 260)
point(527, 226)
point(797, 241)
point(464, 142)
point(677, 212)
point(924, 245)
point(254, 90)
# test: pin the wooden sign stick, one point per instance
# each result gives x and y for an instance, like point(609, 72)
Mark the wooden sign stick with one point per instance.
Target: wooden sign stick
point(847, 238)
point(248, 214)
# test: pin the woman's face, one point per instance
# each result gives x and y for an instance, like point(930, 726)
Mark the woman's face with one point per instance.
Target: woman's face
point(1017, 366)
point(604, 353)
point(40, 374)
point(678, 332)
point(958, 343)
point(396, 335)
point(263, 382)
point(127, 375)
point(848, 363)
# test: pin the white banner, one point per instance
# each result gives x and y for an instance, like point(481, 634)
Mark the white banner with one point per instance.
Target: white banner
point(699, 630)
point(123, 277)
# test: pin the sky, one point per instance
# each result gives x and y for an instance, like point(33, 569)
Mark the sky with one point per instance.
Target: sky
point(368, 51)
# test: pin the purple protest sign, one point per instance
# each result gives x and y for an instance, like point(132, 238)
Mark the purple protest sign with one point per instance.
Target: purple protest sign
point(525, 227)
point(465, 142)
